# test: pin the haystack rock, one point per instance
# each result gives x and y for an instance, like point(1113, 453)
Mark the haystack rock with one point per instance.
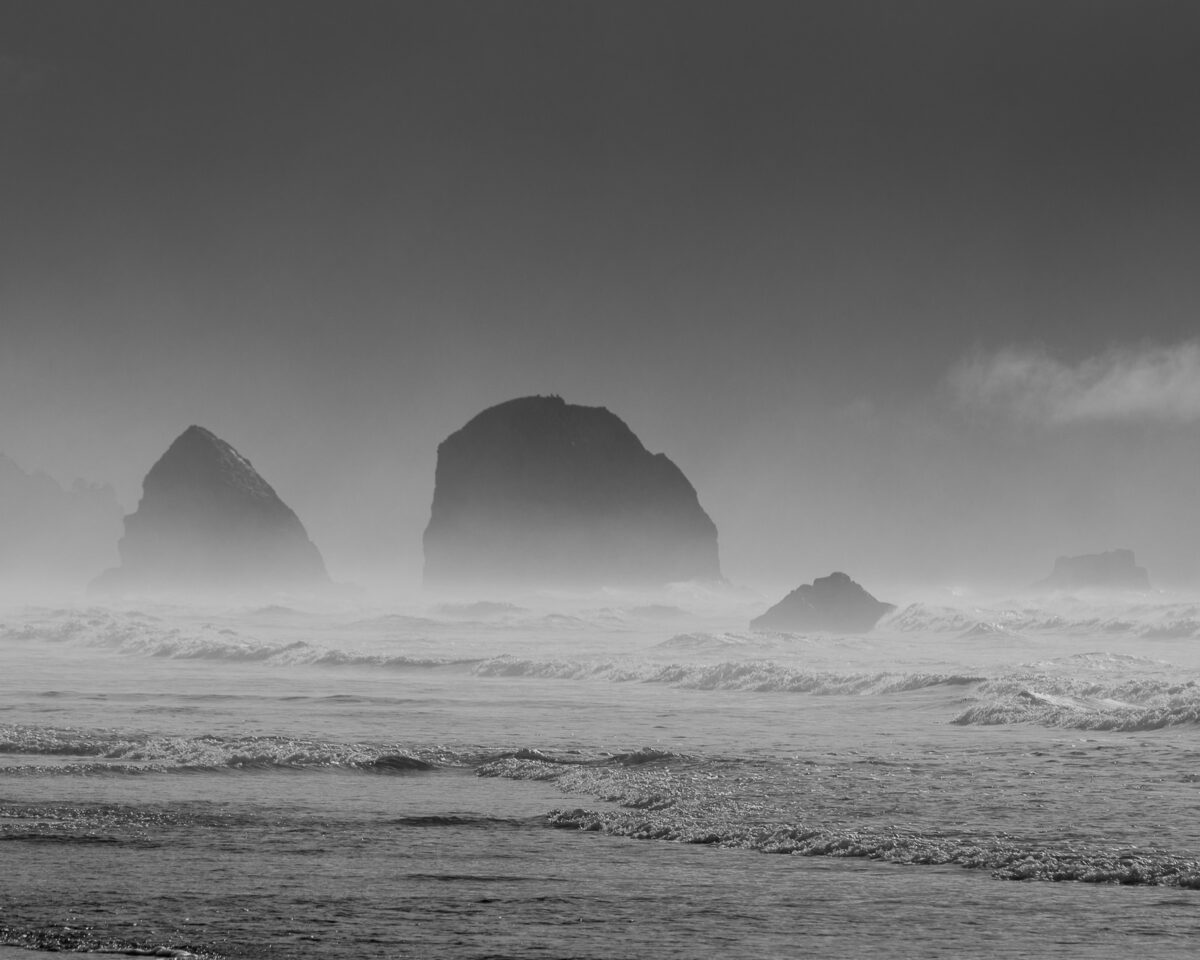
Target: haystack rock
point(206, 521)
point(537, 491)
point(1114, 570)
point(832, 604)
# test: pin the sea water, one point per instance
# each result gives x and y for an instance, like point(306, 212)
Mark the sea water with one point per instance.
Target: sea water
point(600, 777)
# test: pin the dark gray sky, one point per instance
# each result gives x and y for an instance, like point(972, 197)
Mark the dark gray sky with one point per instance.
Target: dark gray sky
point(906, 289)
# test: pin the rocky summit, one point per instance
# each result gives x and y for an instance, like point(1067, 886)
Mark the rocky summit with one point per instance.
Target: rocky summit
point(537, 491)
point(1113, 570)
point(832, 604)
point(207, 520)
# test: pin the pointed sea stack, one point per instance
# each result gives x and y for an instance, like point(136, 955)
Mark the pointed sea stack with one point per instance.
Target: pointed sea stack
point(832, 604)
point(207, 521)
point(540, 492)
point(1114, 570)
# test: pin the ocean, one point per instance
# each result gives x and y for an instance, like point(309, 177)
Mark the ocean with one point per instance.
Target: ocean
point(602, 776)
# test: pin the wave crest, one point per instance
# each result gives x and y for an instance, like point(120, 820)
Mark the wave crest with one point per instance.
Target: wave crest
point(725, 806)
point(124, 753)
point(1124, 705)
point(760, 676)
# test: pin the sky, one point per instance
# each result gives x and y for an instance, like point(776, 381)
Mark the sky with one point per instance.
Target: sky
point(906, 289)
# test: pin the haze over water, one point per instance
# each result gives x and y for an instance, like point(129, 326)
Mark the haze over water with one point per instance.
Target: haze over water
point(905, 292)
point(599, 776)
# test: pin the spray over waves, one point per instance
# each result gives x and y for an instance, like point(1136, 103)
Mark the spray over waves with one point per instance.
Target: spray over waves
point(137, 634)
point(144, 635)
point(1095, 690)
point(1062, 617)
point(760, 676)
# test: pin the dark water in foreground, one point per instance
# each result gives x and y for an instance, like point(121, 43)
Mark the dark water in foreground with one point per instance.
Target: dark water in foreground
point(258, 877)
point(180, 784)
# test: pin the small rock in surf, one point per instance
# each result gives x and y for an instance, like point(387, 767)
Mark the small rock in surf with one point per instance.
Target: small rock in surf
point(832, 604)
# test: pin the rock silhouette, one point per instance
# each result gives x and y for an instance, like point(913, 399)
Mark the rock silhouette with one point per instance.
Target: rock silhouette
point(832, 604)
point(1113, 570)
point(207, 520)
point(540, 491)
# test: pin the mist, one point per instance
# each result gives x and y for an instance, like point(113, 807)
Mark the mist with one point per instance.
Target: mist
point(908, 294)
point(462, 460)
point(52, 540)
point(1143, 383)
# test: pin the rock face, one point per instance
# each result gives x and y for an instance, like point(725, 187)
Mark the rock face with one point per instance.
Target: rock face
point(207, 520)
point(833, 604)
point(537, 491)
point(1114, 570)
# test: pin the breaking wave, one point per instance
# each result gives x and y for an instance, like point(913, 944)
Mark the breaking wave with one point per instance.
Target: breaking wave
point(147, 636)
point(1151, 621)
point(68, 940)
point(49, 750)
point(1097, 690)
point(752, 675)
point(40, 750)
point(1125, 705)
point(673, 802)
point(1006, 861)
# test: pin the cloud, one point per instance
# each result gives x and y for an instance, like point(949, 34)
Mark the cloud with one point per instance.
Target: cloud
point(1123, 384)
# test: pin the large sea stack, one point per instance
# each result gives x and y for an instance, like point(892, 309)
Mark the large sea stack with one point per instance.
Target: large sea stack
point(207, 521)
point(832, 604)
point(540, 492)
point(1113, 570)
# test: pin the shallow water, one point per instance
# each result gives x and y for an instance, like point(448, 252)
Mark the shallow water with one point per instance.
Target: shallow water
point(575, 779)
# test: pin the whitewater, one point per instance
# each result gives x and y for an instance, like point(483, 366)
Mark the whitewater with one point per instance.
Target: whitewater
point(601, 776)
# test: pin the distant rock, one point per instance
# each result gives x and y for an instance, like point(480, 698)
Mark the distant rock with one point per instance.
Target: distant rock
point(832, 604)
point(1114, 570)
point(51, 537)
point(537, 491)
point(206, 521)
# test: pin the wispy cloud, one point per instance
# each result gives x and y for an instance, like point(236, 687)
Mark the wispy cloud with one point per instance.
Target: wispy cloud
point(1122, 384)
